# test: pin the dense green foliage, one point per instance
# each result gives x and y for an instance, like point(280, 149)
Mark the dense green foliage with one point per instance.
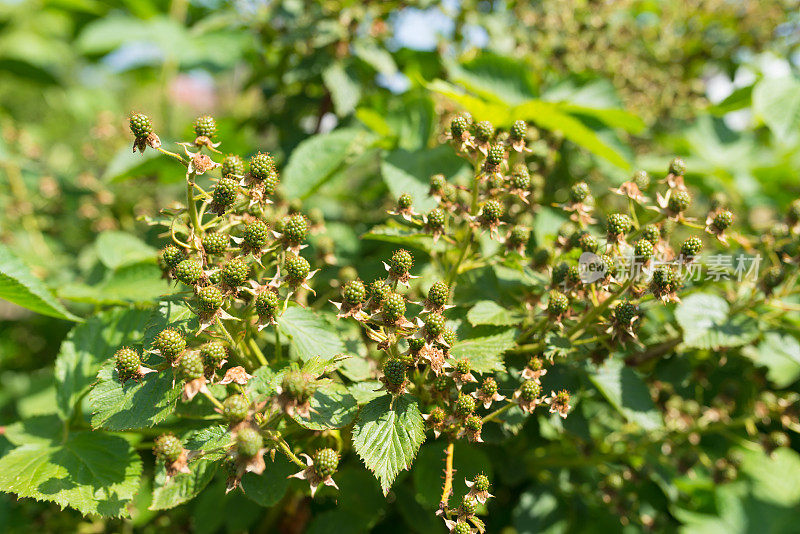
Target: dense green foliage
point(313, 266)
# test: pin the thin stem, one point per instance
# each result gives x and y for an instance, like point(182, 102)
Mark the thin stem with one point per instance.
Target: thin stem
point(497, 412)
point(448, 476)
point(225, 332)
point(190, 204)
point(284, 447)
point(257, 351)
point(576, 330)
point(174, 155)
point(213, 399)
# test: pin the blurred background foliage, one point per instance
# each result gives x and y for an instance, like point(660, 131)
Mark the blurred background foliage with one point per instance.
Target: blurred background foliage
point(348, 95)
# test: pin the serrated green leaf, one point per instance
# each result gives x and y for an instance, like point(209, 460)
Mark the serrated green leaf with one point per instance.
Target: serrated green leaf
point(270, 486)
point(36, 429)
point(135, 404)
point(706, 325)
point(332, 406)
point(90, 344)
point(777, 101)
point(485, 347)
point(365, 391)
point(776, 476)
point(401, 236)
point(627, 393)
point(92, 472)
point(780, 354)
point(130, 284)
point(170, 313)
point(387, 436)
point(556, 346)
point(20, 286)
point(344, 89)
point(491, 313)
point(115, 249)
point(310, 333)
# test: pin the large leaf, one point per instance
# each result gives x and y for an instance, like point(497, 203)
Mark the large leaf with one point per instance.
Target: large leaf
point(627, 393)
point(344, 89)
point(20, 286)
point(269, 487)
point(484, 348)
point(134, 404)
point(310, 333)
point(780, 354)
point(93, 472)
point(706, 325)
point(317, 159)
point(776, 476)
point(87, 346)
point(501, 79)
point(491, 313)
point(331, 407)
point(116, 249)
point(387, 436)
point(777, 101)
point(137, 283)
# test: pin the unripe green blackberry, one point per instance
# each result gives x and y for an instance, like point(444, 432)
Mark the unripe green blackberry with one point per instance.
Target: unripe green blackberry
point(588, 243)
point(437, 416)
point(170, 344)
point(415, 344)
point(641, 179)
point(393, 308)
point(618, 224)
point(449, 193)
point(558, 303)
point(205, 126)
point(559, 274)
point(379, 290)
point(574, 275)
point(436, 218)
point(404, 202)
point(235, 272)
point(489, 386)
point(579, 192)
point(325, 462)
point(642, 249)
point(168, 448)
point(215, 277)
point(141, 125)
point(519, 130)
point(248, 442)
point(210, 299)
point(213, 353)
point(267, 303)
point(521, 181)
point(677, 167)
point(464, 405)
point(438, 182)
point(691, 247)
point(261, 166)
point(458, 126)
point(438, 294)
point(442, 384)
point(127, 363)
point(255, 235)
point(484, 130)
point(296, 385)
point(462, 527)
point(463, 366)
point(492, 211)
point(297, 268)
point(496, 181)
point(664, 280)
point(519, 235)
point(270, 182)
point(225, 191)
point(189, 272)
point(401, 262)
point(529, 391)
point(774, 277)
point(679, 201)
point(449, 337)
point(191, 366)
point(625, 311)
point(651, 233)
point(480, 483)
point(610, 266)
point(468, 503)
point(295, 229)
point(214, 243)
point(495, 155)
point(354, 293)
point(434, 324)
point(233, 165)
point(722, 220)
point(172, 256)
point(235, 408)
point(394, 371)
point(793, 213)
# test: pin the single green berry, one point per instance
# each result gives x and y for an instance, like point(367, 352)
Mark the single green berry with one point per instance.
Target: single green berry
point(248, 442)
point(458, 126)
point(677, 167)
point(255, 235)
point(643, 249)
point(468, 503)
point(127, 363)
point(463, 366)
point(489, 386)
point(416, 344)
point(618, 224)
point(664, 280)
point(189, 272)
point(480, 483)
point(379, 290)
point(205, 126)
point(354, 292)
point(641, 179)
point(404, 202)
point(449, 337)
point(191, 366)
point(793, 213)
point(484, 130)
point(651, 233)
point(325, 462)
point(235, 272)
point(235, 408)
point(519, 235)
point(464, 405)
point(449, 193)
point(232, 165)
point(492, 211)
point(438, 294)
point(210, 299)
point(774, 277)
point(519, 130)
point(579, 192)
point(434, 324)
point(270, 181)
point(295, 229)
point(401, 262)
point(393, 308)
point(438, 182)
point(521, 181)
point(267, 303)
point(170, 344)
point(213, 353)
point(495, 155)
point(437, 416)
point(168, 448)
point(529, 391)
point(559, 274)
point(261, 166)
point(297, 269)
point(574, 275)
point(141, 125)
point(679, 201)
point(394, 372)
point(214, 243)
point(558, 303)
point(436, 218)
point(691, 247)
point(225, 192)
point(625, 312)
point(588, 243)
point(296, 385)
point(462, 527)
point(171, 256)
point(442, 384)
point(722, 220)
